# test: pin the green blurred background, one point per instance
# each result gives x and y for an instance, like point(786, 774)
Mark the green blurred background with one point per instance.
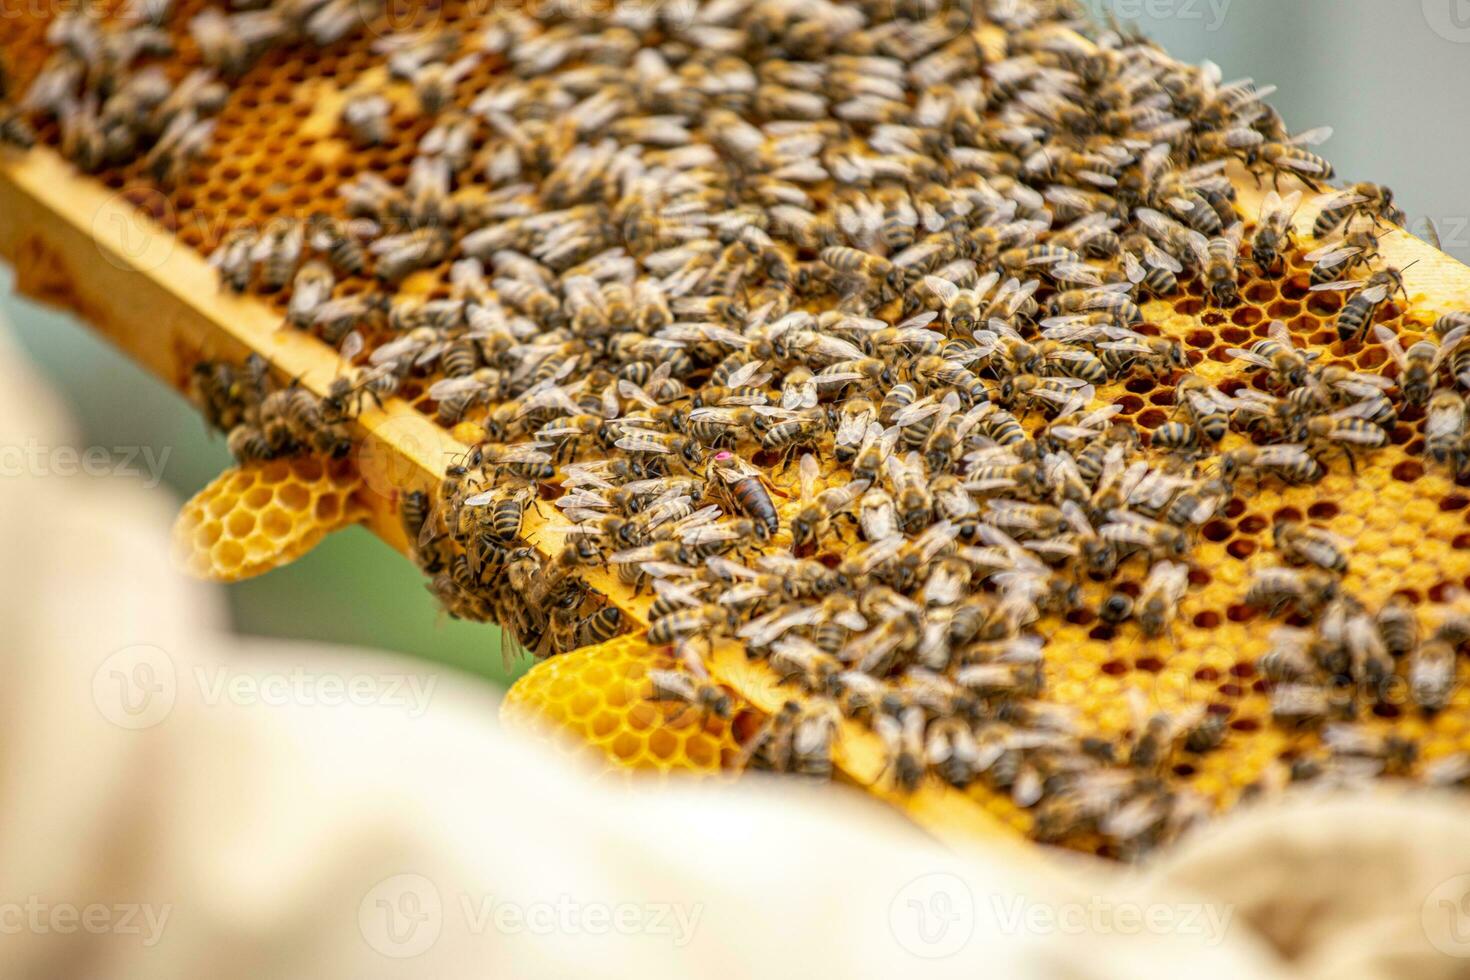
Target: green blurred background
point(350, 589)
point(1392, 77)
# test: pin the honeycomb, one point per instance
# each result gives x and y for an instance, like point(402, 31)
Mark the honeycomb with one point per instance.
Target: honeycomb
point(596, 703)
point(279, 150)
point(256, 517)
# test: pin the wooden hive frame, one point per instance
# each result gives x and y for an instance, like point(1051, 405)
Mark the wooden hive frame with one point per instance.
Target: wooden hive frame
point(77, 245)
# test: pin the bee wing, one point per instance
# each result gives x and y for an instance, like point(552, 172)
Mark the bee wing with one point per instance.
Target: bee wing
point(1331, 256)
point(1358, 410)
point(1199, 245)
point(685, 593)
point(1075, 517)
point(916, 412)
point(946, 291)
point(1160, 259)
point(634, 393)
point(1447, 345)
point(1280, 454)
point(641, 444)
point(1312, 137)
point(742, 376)
point(523, 452)
point(1075, 272)
point(852, 427)
point(1132, 268)
point(352, 345)
point(446, 388)
point(1017, 294)
point(581, 500)
point(1069, 355)
point(1341, 286)
point(810, 470)
point(1131, 346)
point(1270, 206)
point(1360, 383)
point(1374, 294)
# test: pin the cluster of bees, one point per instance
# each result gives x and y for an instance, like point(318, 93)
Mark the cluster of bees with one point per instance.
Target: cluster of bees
point(108, 90)
point(1344, 659)
point(692, 248)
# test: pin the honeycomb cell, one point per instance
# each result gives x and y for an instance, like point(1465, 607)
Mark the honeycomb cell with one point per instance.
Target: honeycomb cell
point(599, 695)
point(224, 534)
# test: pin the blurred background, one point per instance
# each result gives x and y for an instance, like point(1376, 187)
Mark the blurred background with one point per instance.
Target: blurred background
point(1390, 78)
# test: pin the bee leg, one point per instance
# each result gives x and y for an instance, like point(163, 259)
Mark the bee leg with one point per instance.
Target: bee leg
point(1352, 460)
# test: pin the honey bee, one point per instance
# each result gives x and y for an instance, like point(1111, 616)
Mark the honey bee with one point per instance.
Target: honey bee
point(233, 258)
point(903, 746)
point(695, 693)
point(1398, 626)
point(1432, 674)
point(1369, 200)
point(1299, 704)
point(1206, 407)
point(231, 42)
point(748, 492)
point(1278, 354)
point(1303, 544)
point(818, 510)
point(1128, 533)
point(1301, 589)
point(399, 255)
point(1177, 437)
point(366, 118)
point(1419, 367)
point(310, 290)
point(1274, 230)
point(1444, 428)
point(338, 242)
point(1155, 735)
point(870, 267)
point(1460, 359)
point(1358, 313)
point(1338, 259)
point(770, 747)
point(1112, 298)
point(1158, 603)
point(1219, 268)
point(277, 253)
point(1287, 156)
point(1346, 429)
